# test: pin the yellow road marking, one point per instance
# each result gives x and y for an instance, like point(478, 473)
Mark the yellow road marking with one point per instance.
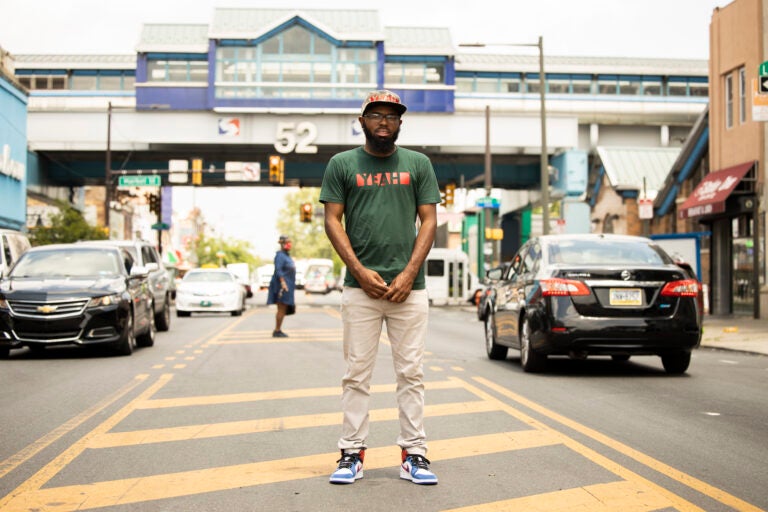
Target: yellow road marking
point(232, 428)
point(49, 470)
point(283, 394)
point(187, 483)
point(28, 452)
point(615, 496)
point(666, 470)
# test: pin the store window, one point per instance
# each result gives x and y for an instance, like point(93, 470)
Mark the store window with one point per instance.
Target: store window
point(742, 96)
point(729, 101)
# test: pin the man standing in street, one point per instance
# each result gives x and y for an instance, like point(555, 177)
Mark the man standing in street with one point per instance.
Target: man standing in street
point(380, 190)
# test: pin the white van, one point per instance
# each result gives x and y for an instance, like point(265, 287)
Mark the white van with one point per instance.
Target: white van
point(318, 277)
point(12, 245)
point(449, 281)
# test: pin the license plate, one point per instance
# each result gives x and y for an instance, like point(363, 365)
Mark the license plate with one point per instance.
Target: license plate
point(205, 303)
point(626, 297)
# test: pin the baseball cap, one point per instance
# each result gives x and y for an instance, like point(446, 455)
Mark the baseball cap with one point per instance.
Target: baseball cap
point(386, 97)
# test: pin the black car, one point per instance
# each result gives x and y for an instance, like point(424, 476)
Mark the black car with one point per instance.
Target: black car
point(76, 294)
point(583, 295)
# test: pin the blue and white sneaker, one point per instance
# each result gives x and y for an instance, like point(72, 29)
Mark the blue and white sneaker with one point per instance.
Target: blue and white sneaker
point(350, 468)
point(416, 469)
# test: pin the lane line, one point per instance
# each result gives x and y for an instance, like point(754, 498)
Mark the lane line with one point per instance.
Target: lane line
point(34, 448)
point(666, 470)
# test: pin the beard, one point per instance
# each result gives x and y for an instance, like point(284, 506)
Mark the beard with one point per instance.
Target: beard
point(381, 144)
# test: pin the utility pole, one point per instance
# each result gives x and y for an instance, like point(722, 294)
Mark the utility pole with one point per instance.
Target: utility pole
point(108, 171)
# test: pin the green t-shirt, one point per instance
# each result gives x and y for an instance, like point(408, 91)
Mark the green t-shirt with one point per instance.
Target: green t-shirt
point(380, 197)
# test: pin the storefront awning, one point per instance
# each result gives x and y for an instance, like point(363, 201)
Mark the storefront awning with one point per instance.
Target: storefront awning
point(709, 196)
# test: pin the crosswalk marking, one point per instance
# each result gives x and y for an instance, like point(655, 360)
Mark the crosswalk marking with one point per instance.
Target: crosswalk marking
point(186, 483)
point(231, 428)
point(615, 496)
point(631, 492)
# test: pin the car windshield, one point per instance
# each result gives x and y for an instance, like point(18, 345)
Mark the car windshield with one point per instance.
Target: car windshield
point(70, 263)
point(605, 252)
point(208, 277)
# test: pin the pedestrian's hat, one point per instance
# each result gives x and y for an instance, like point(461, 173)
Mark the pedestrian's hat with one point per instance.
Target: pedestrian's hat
point(384, 97)
point(283, 239)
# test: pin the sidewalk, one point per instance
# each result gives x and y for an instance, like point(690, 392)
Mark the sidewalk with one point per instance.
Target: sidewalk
point(744, 334)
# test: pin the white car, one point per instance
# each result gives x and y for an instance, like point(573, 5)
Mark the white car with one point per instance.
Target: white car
point(209, 289)
point(264, 275)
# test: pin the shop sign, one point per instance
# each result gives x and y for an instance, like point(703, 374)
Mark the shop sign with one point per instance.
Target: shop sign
point(11, 168)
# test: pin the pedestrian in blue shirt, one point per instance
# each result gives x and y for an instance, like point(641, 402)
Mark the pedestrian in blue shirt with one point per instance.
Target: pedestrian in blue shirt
point(282, 286)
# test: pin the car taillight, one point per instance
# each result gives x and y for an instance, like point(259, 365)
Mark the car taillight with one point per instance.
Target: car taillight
point(562, 287)
point(684, 288)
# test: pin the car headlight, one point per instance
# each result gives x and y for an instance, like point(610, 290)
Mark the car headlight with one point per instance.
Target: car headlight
point(105, 300)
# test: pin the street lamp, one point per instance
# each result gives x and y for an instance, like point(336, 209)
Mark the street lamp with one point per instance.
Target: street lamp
point(543, 161)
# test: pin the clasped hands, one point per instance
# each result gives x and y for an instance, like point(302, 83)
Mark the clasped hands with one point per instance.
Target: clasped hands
point(376, 288)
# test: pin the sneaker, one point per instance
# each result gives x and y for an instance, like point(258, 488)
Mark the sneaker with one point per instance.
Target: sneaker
point(416, 469)
point(279, 334)
point(350, 468)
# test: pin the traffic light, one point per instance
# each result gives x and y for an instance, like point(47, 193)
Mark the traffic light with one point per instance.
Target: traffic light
point(450, 188)
point(276, 170)
point(306, 212)
point(154, 204)
point(197, 171)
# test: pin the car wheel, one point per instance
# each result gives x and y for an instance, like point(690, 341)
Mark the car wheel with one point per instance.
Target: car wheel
point(676, 363)
point(163, 320)
point(530, 360)
point(494, 350)
point(127, 342)
point(147, 339)
point(236, 312)
point(5, 352)
point(621, 358)
point(182, 313)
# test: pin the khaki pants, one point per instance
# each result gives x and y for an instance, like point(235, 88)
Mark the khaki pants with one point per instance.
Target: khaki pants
point(363, 318)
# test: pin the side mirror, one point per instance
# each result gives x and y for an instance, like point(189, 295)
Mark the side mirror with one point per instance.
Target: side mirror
point(138, 271)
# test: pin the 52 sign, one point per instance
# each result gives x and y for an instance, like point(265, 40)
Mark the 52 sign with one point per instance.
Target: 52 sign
point(296, 137)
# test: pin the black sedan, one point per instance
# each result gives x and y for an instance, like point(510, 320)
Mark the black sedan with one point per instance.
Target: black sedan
point(584, 295)
point(71, 294)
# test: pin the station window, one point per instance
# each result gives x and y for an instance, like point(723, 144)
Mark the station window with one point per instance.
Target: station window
point(413, 73)
point(296, 63)
point(651, 87)
point(532, 83)
point(607, 85)
point(558, 86)
point(177, 70)
point(581, 86)
point(464, 84)
point(629, 86)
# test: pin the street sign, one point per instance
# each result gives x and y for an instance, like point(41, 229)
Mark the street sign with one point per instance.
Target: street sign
point(139, 181)
point(488, 202)
point(645, 208)
point(763, 84)
point(759, 102)
point(763, 71)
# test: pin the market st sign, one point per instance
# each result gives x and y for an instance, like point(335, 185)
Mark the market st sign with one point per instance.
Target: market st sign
point(9, 167)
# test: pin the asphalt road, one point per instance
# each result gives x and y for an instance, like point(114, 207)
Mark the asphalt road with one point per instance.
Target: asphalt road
point(219, 416)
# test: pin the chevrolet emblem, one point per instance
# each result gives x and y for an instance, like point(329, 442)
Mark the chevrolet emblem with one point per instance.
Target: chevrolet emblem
point(47, 309)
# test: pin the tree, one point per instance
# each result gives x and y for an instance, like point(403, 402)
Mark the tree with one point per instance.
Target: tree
point(309, 238)
point(67, 226)
point(209, 249)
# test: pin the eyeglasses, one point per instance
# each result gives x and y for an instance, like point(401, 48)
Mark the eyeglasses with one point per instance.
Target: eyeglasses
point(375, 116)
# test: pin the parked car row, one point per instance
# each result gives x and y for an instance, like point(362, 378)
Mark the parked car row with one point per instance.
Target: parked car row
point(77, 294)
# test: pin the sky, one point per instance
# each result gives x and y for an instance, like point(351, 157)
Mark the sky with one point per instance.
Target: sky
point(595, 28)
